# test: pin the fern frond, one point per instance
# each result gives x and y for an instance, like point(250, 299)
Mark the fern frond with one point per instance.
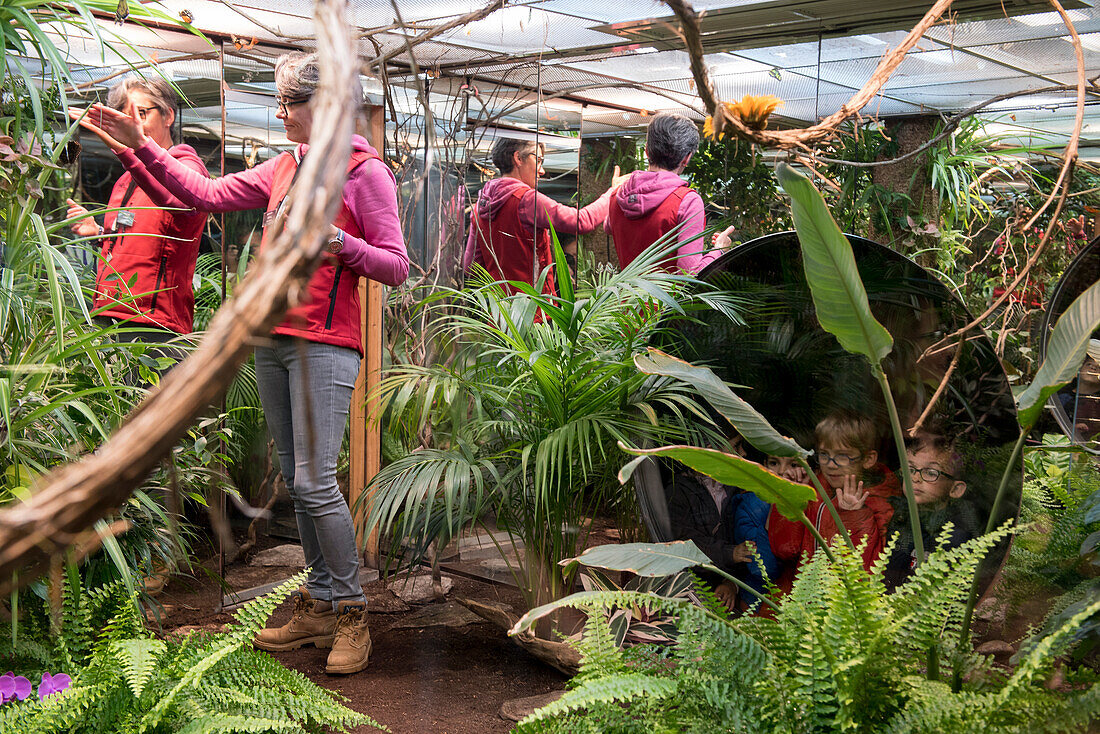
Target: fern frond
point(250, 619)
point(614, 689)
point(138, 657)
point(225, 723)
point(1039, 660)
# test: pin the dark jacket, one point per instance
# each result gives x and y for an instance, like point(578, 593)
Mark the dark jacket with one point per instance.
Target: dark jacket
point(961, 513)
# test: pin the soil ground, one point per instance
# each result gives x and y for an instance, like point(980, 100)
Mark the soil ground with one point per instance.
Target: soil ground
point(421, 679)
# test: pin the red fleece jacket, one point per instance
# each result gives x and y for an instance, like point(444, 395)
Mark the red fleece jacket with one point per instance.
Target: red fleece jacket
point(790, 539)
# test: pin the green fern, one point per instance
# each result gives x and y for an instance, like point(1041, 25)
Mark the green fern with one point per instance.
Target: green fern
point(139, 658)
point(840, 655)
point(200, 683)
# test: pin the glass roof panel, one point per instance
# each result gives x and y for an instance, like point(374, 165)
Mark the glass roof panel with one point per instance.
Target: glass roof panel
point(523, 28)
point(1019, 28)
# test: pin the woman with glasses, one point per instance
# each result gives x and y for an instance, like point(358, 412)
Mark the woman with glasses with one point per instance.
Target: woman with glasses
point(510, 224)
point(307, 369)
point(146, 254)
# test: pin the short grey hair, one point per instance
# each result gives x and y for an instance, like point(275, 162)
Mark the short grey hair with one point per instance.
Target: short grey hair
point(161, 92)
point(505, 148)
point(298, 74)
point(670, 139)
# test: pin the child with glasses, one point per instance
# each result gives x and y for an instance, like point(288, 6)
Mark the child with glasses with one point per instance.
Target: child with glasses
point(938, 487)
point(859, 486)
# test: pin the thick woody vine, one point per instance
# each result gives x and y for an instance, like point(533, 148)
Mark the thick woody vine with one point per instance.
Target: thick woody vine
point(802, 141)
point(73, 497)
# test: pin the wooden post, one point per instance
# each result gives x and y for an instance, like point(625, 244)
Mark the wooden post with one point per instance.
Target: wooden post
point(366, 439)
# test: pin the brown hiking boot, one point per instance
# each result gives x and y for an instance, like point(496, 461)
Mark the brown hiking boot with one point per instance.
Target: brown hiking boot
point(351, 648)
point(313, 623)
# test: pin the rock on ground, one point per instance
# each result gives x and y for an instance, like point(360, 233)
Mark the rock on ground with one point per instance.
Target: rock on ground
point(281, 555)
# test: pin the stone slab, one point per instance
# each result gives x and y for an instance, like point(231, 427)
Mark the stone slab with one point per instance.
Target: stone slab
point(418, 589)
point(289, 555)
point(996, 647)
point(446, 614)
point(384, 601)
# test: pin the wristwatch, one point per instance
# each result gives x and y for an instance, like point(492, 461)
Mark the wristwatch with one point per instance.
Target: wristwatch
point(336, 242)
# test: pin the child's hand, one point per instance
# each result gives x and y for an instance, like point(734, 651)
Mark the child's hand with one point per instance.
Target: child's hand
point(727, 594)
point(798, 475)
point(851, 495)
point(742, 553)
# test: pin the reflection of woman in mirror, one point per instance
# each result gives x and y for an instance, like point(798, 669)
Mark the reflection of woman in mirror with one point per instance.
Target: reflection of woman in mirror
point(1083, 404)
point(306, 370)
point(146, 253)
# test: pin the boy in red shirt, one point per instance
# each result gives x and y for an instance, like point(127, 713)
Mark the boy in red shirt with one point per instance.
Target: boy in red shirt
point(850, 472)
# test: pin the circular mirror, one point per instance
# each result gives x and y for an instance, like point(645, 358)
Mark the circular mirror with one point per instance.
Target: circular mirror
point(801, 379)
point(1076, 406)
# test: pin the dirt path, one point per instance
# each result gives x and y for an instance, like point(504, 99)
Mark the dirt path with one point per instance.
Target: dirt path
point(421, 679)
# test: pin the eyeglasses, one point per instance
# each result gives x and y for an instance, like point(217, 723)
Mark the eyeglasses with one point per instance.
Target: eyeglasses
point(538, 158)
point(144, 111)
point(928, 474)
point(285, 103)
point(841, 461)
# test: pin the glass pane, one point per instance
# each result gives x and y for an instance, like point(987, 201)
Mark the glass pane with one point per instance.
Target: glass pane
point(1076, 407)
point(798, 376)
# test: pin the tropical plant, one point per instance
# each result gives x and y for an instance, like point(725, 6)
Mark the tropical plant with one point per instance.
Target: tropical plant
point(124, 679)
point(62, 380)
point(958, 164)
point(840, 654)
point(1056, 555)
point(860, 204)
point(526, 411)
point(245, 428)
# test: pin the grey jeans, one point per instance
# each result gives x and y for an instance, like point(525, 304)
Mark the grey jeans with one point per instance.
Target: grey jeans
point(305, 388)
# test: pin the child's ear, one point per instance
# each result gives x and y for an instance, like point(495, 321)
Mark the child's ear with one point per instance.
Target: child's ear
point(870, 458)
point(958, 489)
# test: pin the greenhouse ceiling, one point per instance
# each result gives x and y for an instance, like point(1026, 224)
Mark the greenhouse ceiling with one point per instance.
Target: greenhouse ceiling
point(570, 65)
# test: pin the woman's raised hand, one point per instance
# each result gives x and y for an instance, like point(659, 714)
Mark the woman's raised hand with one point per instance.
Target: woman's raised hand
point(117, 129)
point(81, 223)
point(617, 180)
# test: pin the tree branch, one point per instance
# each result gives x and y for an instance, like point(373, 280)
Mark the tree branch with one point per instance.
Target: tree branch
point(74, 496)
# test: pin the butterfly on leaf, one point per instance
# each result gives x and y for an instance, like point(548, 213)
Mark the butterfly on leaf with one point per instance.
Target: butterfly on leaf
point(122, 12)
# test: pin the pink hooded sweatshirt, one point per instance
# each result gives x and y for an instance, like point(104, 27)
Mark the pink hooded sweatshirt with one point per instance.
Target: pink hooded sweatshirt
point(565, 219)
point(370, 194)
point(644, 191)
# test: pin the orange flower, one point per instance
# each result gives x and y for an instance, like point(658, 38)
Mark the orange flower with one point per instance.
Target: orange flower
point(752, 110)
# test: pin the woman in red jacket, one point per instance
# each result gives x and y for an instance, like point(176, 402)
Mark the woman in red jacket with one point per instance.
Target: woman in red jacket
point(306, 370)
point(146, 254)
point(510, 224)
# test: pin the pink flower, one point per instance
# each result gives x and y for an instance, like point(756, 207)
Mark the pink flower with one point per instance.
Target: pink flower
point(52, 684)
point(14, 686)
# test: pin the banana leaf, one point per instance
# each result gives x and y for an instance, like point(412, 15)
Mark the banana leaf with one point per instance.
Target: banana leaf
point(643, 559)
point(839, 296)
point(742, 416)
point(1064, 355)
point(789, 498)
